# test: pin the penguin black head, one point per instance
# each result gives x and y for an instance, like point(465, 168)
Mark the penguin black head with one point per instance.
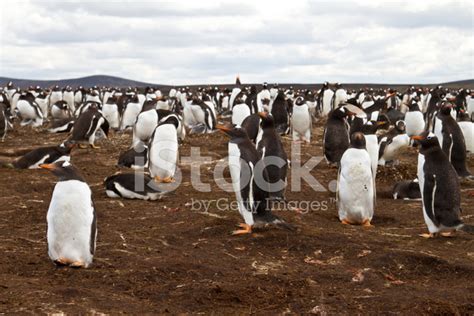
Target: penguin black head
point(235, 132)
point(358, 140)
point(67, 146)
point(300, 100)
point(371, 127)
point(63, 170)
point(267, 120)
point(428, 141)
point(413, 106)
point(445, 108)
point(341, 112)
point(171, 119)
point(400, 126)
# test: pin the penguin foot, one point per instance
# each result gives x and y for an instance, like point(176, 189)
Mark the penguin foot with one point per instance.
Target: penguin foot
point(246, 229)
point(77, 264)
point(447, 234)
point(61, 262)
point(168, 180)
point(94, 146)
point(427, 235)
point(366, 223)
point(82, 146)
point(346, 222)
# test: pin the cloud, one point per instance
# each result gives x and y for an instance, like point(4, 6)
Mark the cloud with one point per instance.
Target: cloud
point(207, 41)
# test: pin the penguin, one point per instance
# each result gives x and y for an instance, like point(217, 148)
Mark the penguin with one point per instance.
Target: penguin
point(163, 150)
point(393, 144)
point(451, 139)
point(60, 110)
point(3, 121)
point(132, 186)
point(336, 135)
point(135, 157)
point(61, 126)
point(263, 99)
point(42, 99)
point(407, 190)
point(68, 97)
point(274, 157)
point(239, 112)
point(371, 143)
point(279, 111)
point(56, 95)
point(129, 116)
point(72, 222)
point(301, 121)
point(204, 114)
point(414, 119)
point(45, 155)
point(252, 198)
point(251, 125)
point(29, 110)
point(111, 113)
point(340, 96)
point(439, 187)
point(325, 98)
point(355, 184)
point(467, 128)
point(86, 126)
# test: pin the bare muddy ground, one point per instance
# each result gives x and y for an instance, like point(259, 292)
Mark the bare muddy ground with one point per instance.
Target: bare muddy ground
point(167, 256)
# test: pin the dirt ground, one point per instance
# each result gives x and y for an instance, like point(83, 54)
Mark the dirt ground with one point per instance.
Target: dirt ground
point(166, 257)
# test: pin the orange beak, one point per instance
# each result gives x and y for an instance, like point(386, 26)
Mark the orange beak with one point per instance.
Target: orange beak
point(263, 114)
point(223, 128)
point(50, 166)
point(417, 137)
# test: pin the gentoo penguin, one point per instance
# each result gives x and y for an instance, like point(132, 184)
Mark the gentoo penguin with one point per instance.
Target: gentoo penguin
point(132, 186)
point(86, 126)
point(339, 97)
point(336, 135)
point(251, 125)
point(204, 114)
point(130, 113)
point(451, 139)
point(355, 184)
point(406, 190)
point(72, 223)
point(279, 111)
point(263, 99)
point(3, 121)
point(414, 119)
point(274, 157)
point(239, 112)
point(42, 99)
point(325, 98)
point(147, 122)
point(111, 113)
point(301, 121)
point(252, 198)
point(68, 97)
point(467, 128)
point(163, 150)
point(61, 126)
point(393, 144)
point(56, 95)
point(29, 110)
point(439, 187)
point(60, 110)
point(135, 157)
point(45, 155)
point(371, 143)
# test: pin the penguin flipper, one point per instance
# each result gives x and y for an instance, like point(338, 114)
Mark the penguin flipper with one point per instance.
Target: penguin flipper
point(429, 193)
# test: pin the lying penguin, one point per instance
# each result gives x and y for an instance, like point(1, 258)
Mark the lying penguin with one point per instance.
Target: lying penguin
point(393, 144)
point(45, 155)
point(406, 190)
point(132, 186)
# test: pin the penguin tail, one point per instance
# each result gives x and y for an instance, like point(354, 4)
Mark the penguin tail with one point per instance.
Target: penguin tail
point(278, 222)
point(467, 228)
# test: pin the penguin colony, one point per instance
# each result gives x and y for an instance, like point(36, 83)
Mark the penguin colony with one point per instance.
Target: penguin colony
point(363, 130)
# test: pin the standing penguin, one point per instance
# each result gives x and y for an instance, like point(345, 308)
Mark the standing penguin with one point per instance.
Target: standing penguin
point(240, 111)
point(467, 128)
point(279, 111)
point(275, 159)
point(244, 168)
point(72, 224)
point(355, 184)
point(371, 143)
point(325, 98)
point(130, 113)
point(414, 119)
point(336, 135)
point(451, 139)
point(3, 121)
point(251, 125)
point(439, 187)
point(111, 113)
point(301, 121)
point(163, 150)
point(86, 125)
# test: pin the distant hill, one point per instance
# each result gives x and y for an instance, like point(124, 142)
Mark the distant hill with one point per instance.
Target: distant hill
point(89, 81)
point(111, 81)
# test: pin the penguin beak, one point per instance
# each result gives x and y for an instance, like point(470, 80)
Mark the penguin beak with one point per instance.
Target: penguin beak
point(50, 166)
point(417, 137)
point(263, 114)
point(380, 123)
point(223, 128)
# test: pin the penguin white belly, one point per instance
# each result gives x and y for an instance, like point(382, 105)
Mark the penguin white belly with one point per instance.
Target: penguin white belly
point(144, 126)
point(70, 217)
point(235, 173)
point(398, 145)
point(301, 123)
point(470, 108)
point(111, 114)
point(43, 105)
point(126, 193)
point(130, 115)
point(415, 123)
point(69, 98)
point(355, 187)
point(239, 113)
point(372, 145)
point(55, 97)
point(58, 113)
point(438, 126)
point(432, 228)
point(188, 116)
point(467, 129)
point(27, 111)
point(163, 152)
point(327, 97)
point(199, 114)
point(162, 105)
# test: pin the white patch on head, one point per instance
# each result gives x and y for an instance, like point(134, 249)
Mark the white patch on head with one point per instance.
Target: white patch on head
point(66, 164)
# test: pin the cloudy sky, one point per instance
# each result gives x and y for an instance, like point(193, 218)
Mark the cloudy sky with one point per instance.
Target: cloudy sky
point(185, 42)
